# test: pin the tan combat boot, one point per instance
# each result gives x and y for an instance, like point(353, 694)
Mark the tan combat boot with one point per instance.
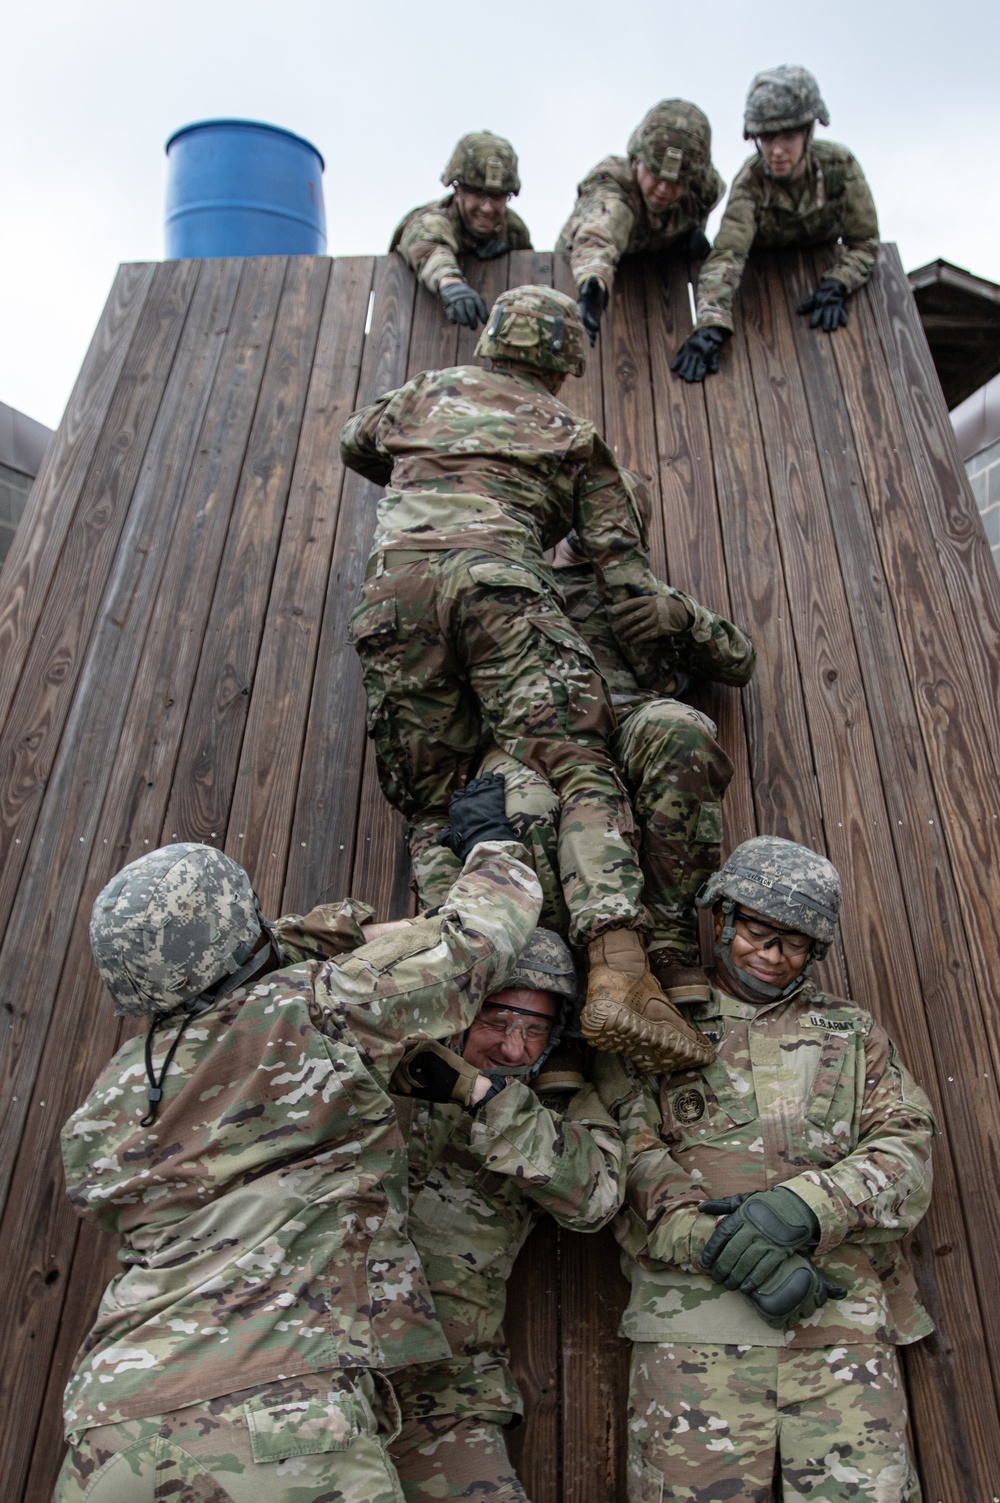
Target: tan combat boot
point(562, 1072)
point(626, 1013)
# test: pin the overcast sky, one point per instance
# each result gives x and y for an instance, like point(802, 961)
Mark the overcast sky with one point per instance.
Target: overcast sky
point(91, 91)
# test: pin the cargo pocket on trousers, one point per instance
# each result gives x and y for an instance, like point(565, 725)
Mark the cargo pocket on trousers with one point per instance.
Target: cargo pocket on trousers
point(378, 620)
point(304, 1428)
point(708, 830)
point(577, 673)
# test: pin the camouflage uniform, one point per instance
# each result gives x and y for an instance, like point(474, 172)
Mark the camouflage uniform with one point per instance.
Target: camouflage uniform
point(486, 469)
point(674, 770)
point(478, 1185)
point(264, 1214)
point(810, 1093)
point(612, 219)
point(832, 201)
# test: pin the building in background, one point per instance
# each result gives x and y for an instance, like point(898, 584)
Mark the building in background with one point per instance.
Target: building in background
point(961, 318)
point(23, 443)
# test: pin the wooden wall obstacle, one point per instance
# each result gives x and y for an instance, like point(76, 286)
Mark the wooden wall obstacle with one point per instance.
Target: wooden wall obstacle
point(174, 665)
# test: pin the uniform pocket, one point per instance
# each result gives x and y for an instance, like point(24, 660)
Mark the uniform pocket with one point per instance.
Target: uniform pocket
point(304, 1428)
point(709, 828)
point(837, 1050)
point(504, 575)
point(376, 620)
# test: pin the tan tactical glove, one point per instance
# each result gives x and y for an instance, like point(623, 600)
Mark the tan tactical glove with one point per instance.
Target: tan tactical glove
point(649, 617)
point(434, 1072)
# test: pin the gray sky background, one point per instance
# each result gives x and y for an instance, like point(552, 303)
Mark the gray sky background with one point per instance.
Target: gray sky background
point(91, 92)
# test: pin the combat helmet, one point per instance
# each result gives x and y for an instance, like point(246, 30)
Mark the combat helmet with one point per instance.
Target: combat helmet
point(545, 965)
point(171, 925)
point(783, 98)
point(786, 882)
point(538, 327)
point(483, 160)
point(674, 141)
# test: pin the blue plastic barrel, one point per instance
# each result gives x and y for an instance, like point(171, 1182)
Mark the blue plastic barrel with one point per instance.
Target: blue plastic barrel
point(241, 188)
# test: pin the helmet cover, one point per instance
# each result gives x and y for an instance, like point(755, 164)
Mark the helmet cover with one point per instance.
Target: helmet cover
point(170, 925)
point(783, 881)
point(673, 141)
point(483, 160)
point(783, 98)
point(536, 326)
point(545, 965)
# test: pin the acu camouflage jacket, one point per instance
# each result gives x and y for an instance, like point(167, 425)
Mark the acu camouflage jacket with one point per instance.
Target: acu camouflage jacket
point(264, 1213)
point(808, 1093)
point(831, 202)
point(478, 1185)
point(611, 219)
point(431, 239)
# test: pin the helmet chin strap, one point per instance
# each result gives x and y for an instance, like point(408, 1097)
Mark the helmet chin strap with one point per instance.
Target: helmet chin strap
point(758, 991)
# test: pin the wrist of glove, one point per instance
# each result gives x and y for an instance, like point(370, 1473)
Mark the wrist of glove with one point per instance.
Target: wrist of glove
point(647, 617)
point(462, 304)
point(795, 1290)
point(433, 1072)
point(698, 356)
point(592, 301)
point(488, 250)
point(827, 307)
point(477, 812)
point(756, 1235)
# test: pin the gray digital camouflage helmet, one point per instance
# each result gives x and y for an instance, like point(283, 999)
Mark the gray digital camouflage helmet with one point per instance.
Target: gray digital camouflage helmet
point(172, 924)
point(546, 965)
point(783, 98)
point(483, 160)
point(785, 882)
point(536, 326)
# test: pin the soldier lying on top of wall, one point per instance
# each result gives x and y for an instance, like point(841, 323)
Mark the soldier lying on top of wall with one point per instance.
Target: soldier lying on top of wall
point(248, 1151)
point(793, 191)
point(767, 1196)
point(475, 216)
point(657, 198)
point(463, 637)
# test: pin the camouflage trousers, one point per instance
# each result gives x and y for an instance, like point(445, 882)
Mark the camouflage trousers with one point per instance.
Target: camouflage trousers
point(464, 649)
point(455, 1456)
point(676, 774)
point(750, 1424)
point(319, 1439)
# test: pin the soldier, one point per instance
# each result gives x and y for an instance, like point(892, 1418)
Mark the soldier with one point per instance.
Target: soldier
point(479, 1181)
point(765, 1340)
point(474, 216)
point(463, 639)
point(248, 1151)
point(658, 198)
point(794, 191)
point(675, 771)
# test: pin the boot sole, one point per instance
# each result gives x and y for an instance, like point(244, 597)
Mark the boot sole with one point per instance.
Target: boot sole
point(613, 1028)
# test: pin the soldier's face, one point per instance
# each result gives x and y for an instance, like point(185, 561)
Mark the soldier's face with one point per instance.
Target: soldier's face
point(511, 1030)
point(658, 193)
point(756, 948)
point(784, 152)
point(482, 213)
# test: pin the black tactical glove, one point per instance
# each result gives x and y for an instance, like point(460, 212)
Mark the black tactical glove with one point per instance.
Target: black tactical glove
point(795, 1290)
point(488, 250)
point(477, 812)
point(827, 306)
point(698, 356)
point(592, 301)
point(649, 617)
point(756, 1235)
point(698, 244)
point(433, 1072)
point(462, 304)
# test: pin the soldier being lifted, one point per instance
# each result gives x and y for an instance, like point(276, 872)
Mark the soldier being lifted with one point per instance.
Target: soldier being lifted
point(480, 1179)
point(248, 1151)
point(768, 1195)
point(463, 638)
point(474, 216)
point(793, 191)
point(657, 198)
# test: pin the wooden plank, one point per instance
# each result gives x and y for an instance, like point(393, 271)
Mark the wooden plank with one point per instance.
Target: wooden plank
point(692, 528)
point(261, 816)
point(876, 939)
point(967, 564)
point(205, 773)
point(595, 1363)
point(30, 739)
point(782, 775)
point(30, 564)
point(584, 394)
point(84, 1033)
point(321, 857)
point(533, 1338)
